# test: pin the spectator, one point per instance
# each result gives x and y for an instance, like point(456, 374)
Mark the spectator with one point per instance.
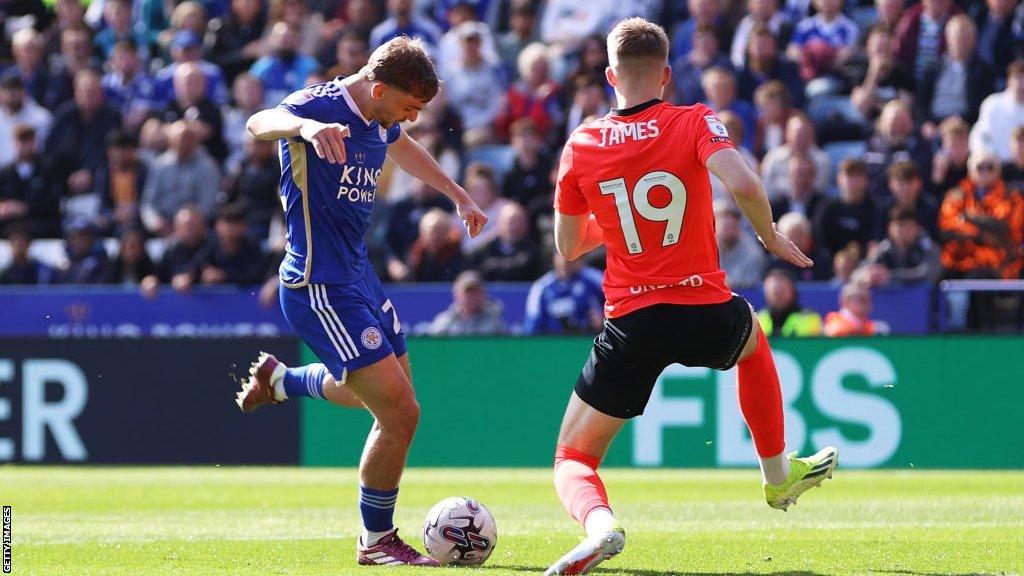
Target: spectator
point(253, 186)
point(905, 192)
point(568, 299)
point(949, 164)
point(87, 260)
point(450, 49)
point(878, 77)
point(247, 93)
point(894, 140)
point(237, 37)
point(128, 87)
point(689, 68)
point(589, 98)
point(132, 264)
point(297, 15)
point(16, 108)
point(283, 69)
point(591, 60)
point(734, 126)
point(719, 85)
point(909, 256)
point(567, 23)
point(1013, 171)
point(188, 16)
point(68, 14)
point(774, 110)
point(740, 256)
point(404, 222)
point(234, 258)
point(187, 48)
point(527, 182)
point(512, 256)
point(425, 131)
point(782, 314)
point(472, 313)
point(117, 15)
point(119, 184)
point(982, 223)
point(888, 13)
point(76, 146)
point(765, 64)
point(356, 16)
point(534, 95)
point(919, 34)
point(852, 217)
point(854, 315)
point(192, 104)
point(24, 269)
point(799, 140)
point(435, 256)
point(403, 21)
point(1000, 114)
point(704, 14)
point(797, 228)
point(351, 52)
point(183, 176)
point(800, 195)
point(475, 89)
point(75, 56)
point(998, 34)
point(521, 25)
point(957, 82)
point(823, 42)
point(844, 263)
point(27, 46)
point(28, 195)
point(482, 187)
point(764, 12)
point(189, 249)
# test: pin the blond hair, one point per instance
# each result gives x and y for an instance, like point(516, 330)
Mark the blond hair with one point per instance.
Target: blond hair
point(636, 42)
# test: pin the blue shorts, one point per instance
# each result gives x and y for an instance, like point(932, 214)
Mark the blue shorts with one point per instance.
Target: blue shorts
point(347, 326)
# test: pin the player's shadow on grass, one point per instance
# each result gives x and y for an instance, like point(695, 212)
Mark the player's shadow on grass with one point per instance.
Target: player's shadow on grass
point(634, 572)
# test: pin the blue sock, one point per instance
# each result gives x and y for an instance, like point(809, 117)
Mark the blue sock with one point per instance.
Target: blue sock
point(305, 381)
point(377, 508)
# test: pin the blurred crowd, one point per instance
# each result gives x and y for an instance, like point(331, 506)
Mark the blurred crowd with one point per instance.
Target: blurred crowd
point(889, 135)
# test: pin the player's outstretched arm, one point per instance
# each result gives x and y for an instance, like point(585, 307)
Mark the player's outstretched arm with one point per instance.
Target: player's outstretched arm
point(412, 158)
point(328, 140)
point(576, 235)
point(746, 188)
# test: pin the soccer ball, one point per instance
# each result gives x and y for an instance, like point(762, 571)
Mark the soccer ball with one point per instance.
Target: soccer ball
point(459, 531)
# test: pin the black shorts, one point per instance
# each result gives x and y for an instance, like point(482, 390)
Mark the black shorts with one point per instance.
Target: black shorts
point(632, 351)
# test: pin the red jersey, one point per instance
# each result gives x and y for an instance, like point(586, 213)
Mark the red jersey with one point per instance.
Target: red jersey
point(642, 173)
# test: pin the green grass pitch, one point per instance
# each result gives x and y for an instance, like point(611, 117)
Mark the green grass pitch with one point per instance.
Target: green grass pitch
point(211, 521)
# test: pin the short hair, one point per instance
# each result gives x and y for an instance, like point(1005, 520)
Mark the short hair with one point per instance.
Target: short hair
point(1018, 133)
point(126, 43)
point(532, 51)
point(954, 126)
point(902, 213)
point(1014, 68)
point(761, 29)
point(903, 171)
point(121, 138)
point(403, 63)
point(24, 132)
point(481, 170)
point(636, 39)
point(524, 125)
point(20, 228)
point(233, 213)
point(963, 20)
point(851, 166)
point(772, 90)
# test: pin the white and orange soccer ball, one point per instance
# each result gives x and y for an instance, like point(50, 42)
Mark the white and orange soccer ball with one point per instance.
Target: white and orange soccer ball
point(460, 531)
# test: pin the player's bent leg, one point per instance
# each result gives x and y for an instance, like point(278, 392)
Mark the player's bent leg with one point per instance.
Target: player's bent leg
point(385, 389)
point(785, 477)
point(582, 442)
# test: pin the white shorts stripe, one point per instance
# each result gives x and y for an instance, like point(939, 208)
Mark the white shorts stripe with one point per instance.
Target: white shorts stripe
point(331, 313)
point(331, 335)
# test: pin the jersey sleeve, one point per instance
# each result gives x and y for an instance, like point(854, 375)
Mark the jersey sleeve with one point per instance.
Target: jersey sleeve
point(711, 133)
point(304, 104)
point(569, 199)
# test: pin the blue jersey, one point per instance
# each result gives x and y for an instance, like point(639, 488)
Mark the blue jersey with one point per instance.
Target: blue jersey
point(327, 206)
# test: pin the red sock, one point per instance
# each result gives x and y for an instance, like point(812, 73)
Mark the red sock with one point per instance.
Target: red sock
point(761, 399)
point(579, 487)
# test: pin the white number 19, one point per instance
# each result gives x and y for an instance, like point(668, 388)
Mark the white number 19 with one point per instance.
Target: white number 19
point(671, 214)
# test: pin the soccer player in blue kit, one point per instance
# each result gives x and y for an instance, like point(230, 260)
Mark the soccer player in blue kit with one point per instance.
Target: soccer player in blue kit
point(334, 138)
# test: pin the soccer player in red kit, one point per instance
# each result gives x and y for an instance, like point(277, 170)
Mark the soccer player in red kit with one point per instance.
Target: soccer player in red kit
point(637, 181)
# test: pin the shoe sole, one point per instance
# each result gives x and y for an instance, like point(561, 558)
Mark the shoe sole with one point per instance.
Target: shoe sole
point(580, 560)
point(814, 479)
point(256, 373)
